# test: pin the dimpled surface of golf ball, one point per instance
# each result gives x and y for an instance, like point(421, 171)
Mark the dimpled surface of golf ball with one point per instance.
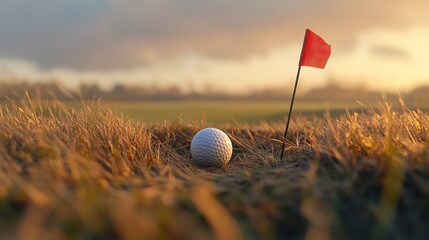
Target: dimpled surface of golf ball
point(211, 147)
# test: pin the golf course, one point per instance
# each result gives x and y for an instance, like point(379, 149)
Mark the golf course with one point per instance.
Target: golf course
point(214, 120)
point(87, 172)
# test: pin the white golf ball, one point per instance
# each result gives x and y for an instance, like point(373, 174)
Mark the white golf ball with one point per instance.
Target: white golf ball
point(211, 147)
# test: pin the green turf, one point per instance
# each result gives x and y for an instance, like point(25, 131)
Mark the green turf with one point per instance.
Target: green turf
point(224, 111)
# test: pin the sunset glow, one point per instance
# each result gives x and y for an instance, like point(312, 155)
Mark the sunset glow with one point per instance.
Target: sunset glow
point(230, 46)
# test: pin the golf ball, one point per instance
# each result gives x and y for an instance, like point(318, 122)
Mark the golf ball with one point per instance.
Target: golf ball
point(211, 147)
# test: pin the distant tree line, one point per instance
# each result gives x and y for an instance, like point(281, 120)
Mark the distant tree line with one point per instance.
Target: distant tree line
point(120, 92)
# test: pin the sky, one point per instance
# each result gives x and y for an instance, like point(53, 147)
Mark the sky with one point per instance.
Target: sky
point(227, 45)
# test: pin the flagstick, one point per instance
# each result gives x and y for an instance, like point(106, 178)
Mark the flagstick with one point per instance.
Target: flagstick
point(290, 112)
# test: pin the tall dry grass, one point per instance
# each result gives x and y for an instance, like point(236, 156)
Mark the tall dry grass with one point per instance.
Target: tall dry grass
point(83, 172)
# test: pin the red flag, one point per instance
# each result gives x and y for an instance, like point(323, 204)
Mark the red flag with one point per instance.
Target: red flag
point(315, 51)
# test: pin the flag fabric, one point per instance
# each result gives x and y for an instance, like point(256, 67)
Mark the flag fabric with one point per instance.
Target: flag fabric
point(315, 51)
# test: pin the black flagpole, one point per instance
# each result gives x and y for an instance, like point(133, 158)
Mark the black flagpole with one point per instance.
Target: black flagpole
point(290, 112)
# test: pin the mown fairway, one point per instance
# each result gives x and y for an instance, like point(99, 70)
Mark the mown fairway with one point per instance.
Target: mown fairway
point(86, 173)
point(224, 111)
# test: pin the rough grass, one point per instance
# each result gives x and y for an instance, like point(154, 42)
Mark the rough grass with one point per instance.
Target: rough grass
point(89, 174)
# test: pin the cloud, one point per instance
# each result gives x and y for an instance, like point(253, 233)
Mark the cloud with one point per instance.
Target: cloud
point(389, 51)
point(111, 34)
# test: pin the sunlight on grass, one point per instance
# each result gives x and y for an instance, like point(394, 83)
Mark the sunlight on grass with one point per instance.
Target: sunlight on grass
point(85, 172)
